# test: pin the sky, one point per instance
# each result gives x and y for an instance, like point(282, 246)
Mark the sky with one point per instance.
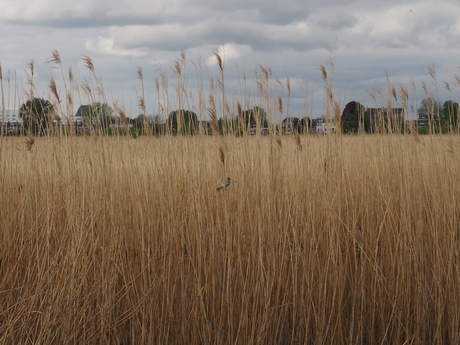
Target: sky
point(365, 46)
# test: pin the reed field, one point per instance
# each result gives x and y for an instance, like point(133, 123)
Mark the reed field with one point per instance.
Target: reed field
point(317, 240)
point(120, 237)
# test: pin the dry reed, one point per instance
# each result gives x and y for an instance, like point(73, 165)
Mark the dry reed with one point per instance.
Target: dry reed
point(126, 241)
point(333, 239)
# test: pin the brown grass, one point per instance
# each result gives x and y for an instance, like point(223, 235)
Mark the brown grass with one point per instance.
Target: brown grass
point(123, 241)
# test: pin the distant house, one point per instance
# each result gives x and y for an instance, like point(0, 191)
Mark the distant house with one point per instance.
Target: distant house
point(81, 126)
point(423, 121)
point(11, 122)
point(321, 126)
point(253, 129)
point(291, 125)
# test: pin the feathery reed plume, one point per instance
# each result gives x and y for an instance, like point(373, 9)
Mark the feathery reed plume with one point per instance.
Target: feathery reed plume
point(53, 88)
point(447, 86)
point(373, 95)
point(432, 72)
point(457, 79)
point(403, 94)
point(30, 79)
point(328, 88)
point(89, 64)
point(55, 57)
point(323, 71)
point(121, 113)
point(140, 73)
point(70, 74)
point(87, 89)
point(280, 104)
point(267, 72)
point(177, 68)
point(424, 87)
point(219, 59)
point(141, 101)
point(394, 93)
point(69, 98)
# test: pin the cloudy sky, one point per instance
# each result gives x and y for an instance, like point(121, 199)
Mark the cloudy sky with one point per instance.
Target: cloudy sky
point(370, 43)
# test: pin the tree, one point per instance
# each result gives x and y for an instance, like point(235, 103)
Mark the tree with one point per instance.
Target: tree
point(141, 124)
point(449, 114)
point(98, 116)
point(353, 117)
point(254, 116)
point(36, 115)
point(182, 122)
point(306, 123)
point(429, 108)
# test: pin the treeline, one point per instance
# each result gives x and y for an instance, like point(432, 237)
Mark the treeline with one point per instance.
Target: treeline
point(432, 117)
point(39, 117)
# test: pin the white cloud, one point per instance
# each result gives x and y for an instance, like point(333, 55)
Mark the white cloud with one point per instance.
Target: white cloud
point(106, 45)
point(229, 52)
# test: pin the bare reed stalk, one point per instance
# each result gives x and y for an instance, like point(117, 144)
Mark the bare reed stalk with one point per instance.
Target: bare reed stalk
point(182, 99)
point(94, 94)
point(263, 81)
point(203, 128)
point(329, 103)
point(141, 101)
point(3, 99)
point(58, 112)
point(434, 80)
point(221, 85)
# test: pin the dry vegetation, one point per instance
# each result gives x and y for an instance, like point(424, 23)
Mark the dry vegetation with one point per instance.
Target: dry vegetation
point(318, 240)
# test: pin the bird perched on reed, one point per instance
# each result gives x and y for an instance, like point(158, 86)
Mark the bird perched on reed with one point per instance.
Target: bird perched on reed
point(224, 184)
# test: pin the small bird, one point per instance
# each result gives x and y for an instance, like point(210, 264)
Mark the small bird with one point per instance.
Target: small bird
point(224, 184)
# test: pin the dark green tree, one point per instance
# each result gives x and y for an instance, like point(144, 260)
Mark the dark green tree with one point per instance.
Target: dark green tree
point(184, 122)
point(431, 110)
point(36, 115)
point(254, 116)
point(353, 118)
point(141, 124)
point(306, 123)
point(98, 116)
point(449, 115)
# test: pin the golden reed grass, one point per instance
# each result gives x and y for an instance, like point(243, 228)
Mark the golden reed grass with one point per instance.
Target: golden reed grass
point(317, 240)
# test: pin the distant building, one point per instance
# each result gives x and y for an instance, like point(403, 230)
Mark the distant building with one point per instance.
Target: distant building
point(322, 126)
point(291, 125)
point(11, 122)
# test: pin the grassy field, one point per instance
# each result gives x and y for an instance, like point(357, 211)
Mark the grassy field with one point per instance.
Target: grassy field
point(319, 240)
